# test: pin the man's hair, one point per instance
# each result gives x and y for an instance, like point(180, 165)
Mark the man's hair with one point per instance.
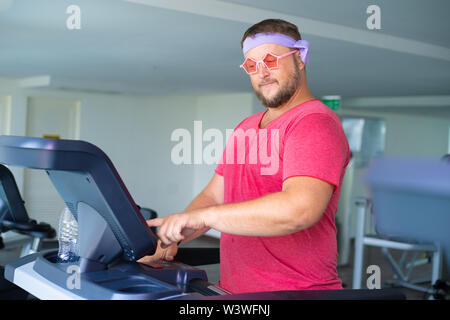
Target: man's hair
point(272, 26)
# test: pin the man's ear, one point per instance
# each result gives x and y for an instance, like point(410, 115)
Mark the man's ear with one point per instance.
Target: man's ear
point(299, 60)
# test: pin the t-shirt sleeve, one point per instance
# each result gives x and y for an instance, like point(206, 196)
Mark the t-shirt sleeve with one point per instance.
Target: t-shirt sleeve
point(316, 146)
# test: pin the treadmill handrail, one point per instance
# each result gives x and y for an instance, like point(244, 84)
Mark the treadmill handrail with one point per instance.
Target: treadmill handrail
point(10, 195)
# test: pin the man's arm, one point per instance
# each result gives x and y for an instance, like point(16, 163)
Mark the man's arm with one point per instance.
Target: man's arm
point(298, 206)
point(211, 195)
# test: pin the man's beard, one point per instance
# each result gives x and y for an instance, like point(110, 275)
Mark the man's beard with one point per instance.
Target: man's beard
point(284, 94)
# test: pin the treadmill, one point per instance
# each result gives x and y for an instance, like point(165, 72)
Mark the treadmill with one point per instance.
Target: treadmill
point(112, 235)
point(14, 218)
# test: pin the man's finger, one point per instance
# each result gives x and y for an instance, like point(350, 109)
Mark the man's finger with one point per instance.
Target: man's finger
point(172, 233)
point(157, 222)
point(164, 245)
point(165, 242)
point(177, 235)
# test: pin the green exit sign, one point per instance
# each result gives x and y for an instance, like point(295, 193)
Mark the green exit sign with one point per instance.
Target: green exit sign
point(332, 102)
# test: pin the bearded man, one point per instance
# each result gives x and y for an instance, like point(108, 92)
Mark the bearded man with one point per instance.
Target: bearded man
point(277, 228)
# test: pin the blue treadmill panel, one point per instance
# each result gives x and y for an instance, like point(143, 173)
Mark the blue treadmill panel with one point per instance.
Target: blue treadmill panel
point(82, 173)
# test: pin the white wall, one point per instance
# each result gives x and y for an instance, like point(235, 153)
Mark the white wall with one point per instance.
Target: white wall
point(221, 112)
point(5, 114)
point(14, 112)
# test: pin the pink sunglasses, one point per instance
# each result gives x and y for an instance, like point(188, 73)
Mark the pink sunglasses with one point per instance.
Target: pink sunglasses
point(270, 61)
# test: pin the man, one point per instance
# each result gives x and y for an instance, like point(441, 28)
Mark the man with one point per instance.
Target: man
point(278, 230)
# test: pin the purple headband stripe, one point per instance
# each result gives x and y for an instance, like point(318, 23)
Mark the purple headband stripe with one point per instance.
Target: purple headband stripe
point(277, 38)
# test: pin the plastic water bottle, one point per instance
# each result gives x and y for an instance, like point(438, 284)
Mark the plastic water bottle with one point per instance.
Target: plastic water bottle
point(68, 237)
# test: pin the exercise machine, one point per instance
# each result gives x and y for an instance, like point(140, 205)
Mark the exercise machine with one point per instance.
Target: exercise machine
point(410, 209)
point(28, 233)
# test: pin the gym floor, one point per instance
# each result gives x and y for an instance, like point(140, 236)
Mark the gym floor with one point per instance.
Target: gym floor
point(373, 256)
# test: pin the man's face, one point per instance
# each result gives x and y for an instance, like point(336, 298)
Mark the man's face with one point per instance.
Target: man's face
point(274, 87)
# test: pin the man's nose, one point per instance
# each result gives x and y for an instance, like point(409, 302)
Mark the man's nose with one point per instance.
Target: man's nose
point(263, 71)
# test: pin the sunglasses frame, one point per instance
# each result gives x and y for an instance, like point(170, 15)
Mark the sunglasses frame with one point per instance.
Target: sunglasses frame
point(262, 61)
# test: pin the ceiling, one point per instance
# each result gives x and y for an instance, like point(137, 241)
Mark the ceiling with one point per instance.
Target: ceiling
point(167, 47)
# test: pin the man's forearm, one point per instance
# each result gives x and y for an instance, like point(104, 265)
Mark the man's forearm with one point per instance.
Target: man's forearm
point(201, 201)
point(270, 215)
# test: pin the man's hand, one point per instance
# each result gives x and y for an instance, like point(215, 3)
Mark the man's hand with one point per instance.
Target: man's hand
point(161, 254)
point(166, 253)
point(179, 226)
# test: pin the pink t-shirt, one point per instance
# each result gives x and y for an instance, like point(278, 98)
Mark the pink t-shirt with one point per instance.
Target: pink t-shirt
point(307, 140)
